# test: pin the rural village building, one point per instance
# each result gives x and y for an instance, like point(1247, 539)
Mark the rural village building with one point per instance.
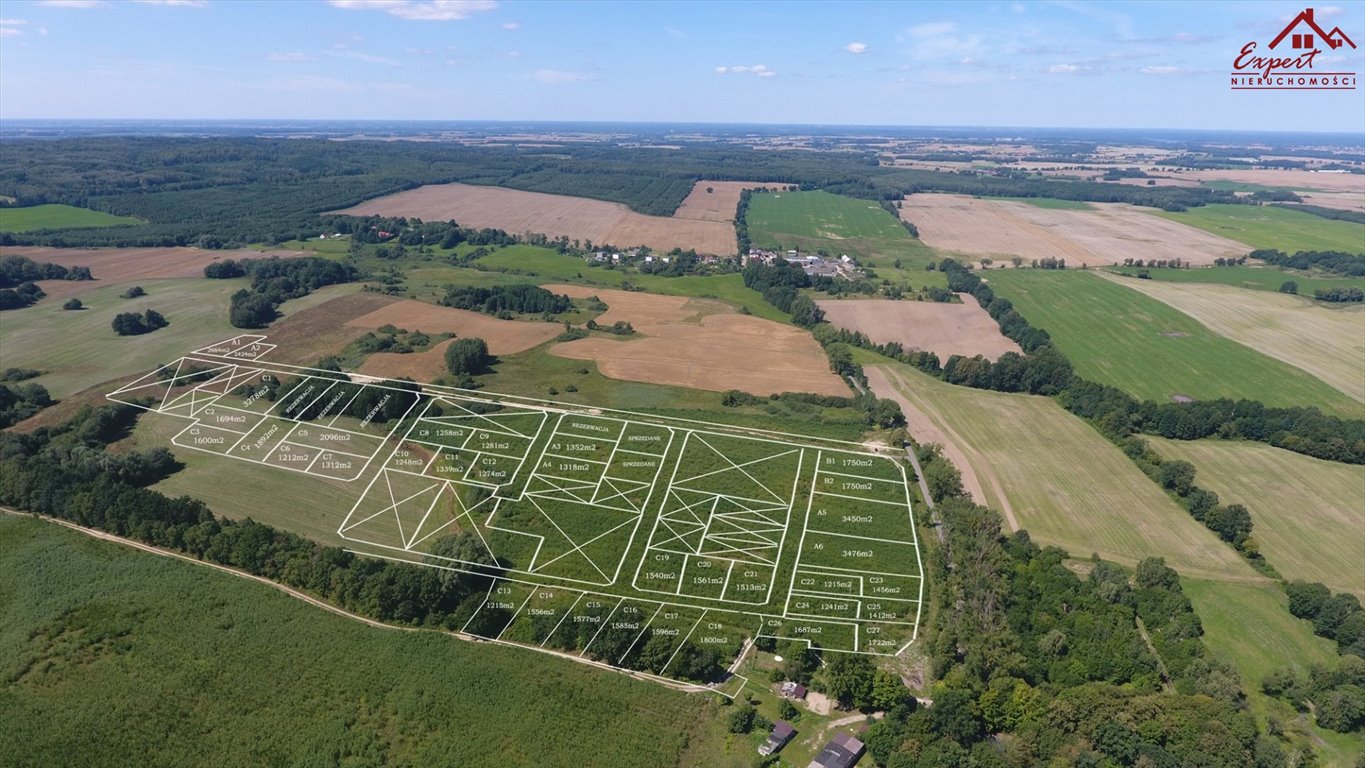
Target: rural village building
point(781, 734)
point(842, 751)
point(793, 690)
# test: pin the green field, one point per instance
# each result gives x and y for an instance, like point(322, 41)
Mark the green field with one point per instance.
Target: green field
point(1250, 277)
point(1117, 336)
point(813, 221)
point(1279, 228)
point(116, 657)
point(1053, 474)
point(54, 216)
point(1249, 625)
point(81, 349)
point(1300, 506)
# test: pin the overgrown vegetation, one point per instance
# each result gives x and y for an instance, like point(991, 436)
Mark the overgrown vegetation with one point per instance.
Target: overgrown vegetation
point(273, 282)
point(507, 301)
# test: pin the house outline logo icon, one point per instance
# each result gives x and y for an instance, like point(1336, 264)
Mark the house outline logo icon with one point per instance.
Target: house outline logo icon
point(1305, 40)
point(1295, 61)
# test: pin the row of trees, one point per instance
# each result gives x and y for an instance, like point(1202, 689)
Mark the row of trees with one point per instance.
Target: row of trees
point(273, 282)
point(15, 270)
point(1337, 262)
point(1039, 665)
point(1340, 295)
point(508, 300)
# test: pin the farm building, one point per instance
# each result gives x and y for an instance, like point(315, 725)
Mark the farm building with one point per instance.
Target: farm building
point(781, 734)
point(842, 751)
point(793, 690)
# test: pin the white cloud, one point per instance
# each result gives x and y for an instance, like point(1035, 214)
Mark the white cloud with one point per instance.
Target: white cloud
point(1017, 7)
point(426, 10)
point(1063, 69)
point(1330, 10)
point(10, 27)
point(514, 54)
point(13, 22)
point(368, 58)
point(10, 32)
point(287, 56)
point(72, 3)
point(1161, 71)
point(511, 25)
point(175, 3)
point(556, 77)
point(932, 29)
point(675, 33)
point(760, 70)
point(856, 47)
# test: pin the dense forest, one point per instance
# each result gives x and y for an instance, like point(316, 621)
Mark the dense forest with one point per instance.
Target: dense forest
point(273, 282)
point(506, 301)
point(225, 192)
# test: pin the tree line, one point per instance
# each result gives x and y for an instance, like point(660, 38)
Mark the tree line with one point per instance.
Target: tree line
point(505, 301)
point(1336, 262)
point(780, 283)
point(18, 274)
point(273, 282)
point(1039, 665)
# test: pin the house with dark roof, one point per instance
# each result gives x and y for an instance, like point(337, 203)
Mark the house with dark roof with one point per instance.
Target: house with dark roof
point(842, 751)
point(1301, 31)
point(781, 734)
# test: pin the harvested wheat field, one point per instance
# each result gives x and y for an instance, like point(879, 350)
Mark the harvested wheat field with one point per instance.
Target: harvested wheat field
point(504, 337)
point(1108, 234)
point(1327, 342)
point(700, 344)
point(717, 205)
point(318, 324)
point(944, 329)
point(1285, 177)
point(577, 218)
point(119, 265)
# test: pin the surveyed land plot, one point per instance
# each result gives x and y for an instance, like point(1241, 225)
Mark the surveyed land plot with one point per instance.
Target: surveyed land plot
point(626, 540)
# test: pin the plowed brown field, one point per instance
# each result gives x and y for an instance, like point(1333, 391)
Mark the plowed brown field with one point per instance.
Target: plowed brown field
point(702, 345)
point(945, 329)
point(504, 337)
point(704, 222)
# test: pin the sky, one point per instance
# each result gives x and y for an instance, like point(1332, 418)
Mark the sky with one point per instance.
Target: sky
point(1044, 64)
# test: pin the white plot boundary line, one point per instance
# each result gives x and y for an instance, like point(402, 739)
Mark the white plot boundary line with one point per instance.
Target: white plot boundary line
point(547, 407)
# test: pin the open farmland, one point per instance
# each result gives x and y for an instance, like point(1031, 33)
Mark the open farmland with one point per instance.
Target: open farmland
point(1307, 513)
point(118, 265)
point(1118, 336)
point(815, 221)
point(56, 216)
point(1108, 233)
point(1269, 227)
point(255, 677)
point(1326, 341)
point(1254, 277)
point(504, 337)
point(1053, 474)
point(577, 218)
point(719, 204)
point(945, 329)
point(700, 344)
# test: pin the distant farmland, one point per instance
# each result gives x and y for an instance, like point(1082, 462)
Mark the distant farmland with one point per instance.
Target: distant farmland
point(1268, 227)
point(1306, 513)
point(814, 221)
point(700, 223)
point(54, 216)
point(1118, 336)
point(701, 344)
point(945, 329)
point(1053, 474)
point(1326, 341)
point(1105, 233)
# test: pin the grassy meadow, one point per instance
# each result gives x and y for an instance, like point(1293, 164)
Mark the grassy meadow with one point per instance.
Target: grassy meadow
point(1118, 336)
point(114, 657)
point(1060, 479)
point(1326, 340)
point(1268, 227)
point(55, 216)
point(1256, 278)
point(1249, 626)
point(812, 221)
point(1300, 506)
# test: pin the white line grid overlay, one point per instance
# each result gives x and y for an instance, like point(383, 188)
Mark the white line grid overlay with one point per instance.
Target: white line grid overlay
point(612, 525)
